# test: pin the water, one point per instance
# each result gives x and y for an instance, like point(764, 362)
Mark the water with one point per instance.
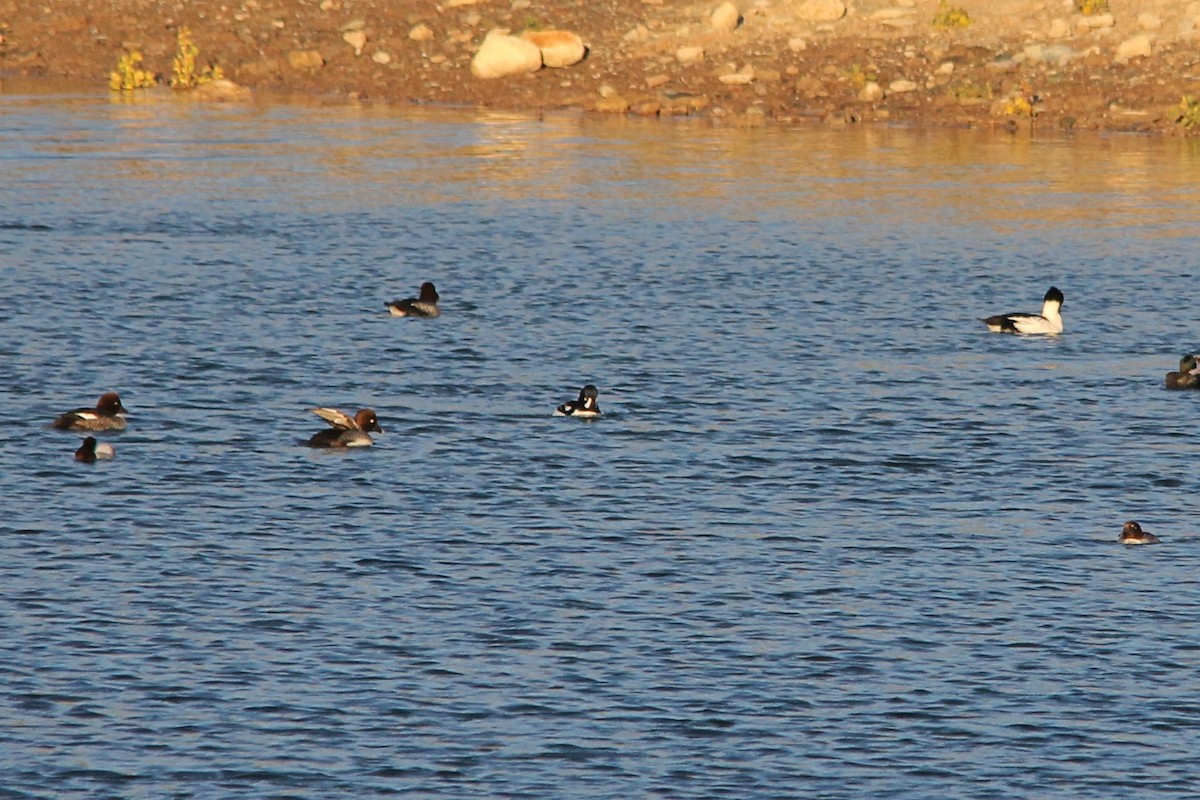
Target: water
point(831, 539)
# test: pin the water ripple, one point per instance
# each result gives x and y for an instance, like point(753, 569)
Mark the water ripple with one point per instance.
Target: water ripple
point(831, 538)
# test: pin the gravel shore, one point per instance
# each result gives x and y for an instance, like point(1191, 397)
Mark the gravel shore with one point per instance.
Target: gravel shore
point(1014, 64)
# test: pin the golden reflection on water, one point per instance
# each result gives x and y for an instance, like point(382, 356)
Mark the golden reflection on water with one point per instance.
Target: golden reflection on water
point(1012, 183)
point(1088, 180)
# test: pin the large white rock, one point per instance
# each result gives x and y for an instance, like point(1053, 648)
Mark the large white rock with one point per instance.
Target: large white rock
point(1059, 29)
point(305, 59)
point(221, 91)
point(1059, 54)
point(742, 77)
point(871, 92)
point(501, 55)
point(639, 34)
point(356, 39)
point(725, 17)
point(1133, 47)
point(1098, 21)
point(558, 48)
point(821, 11)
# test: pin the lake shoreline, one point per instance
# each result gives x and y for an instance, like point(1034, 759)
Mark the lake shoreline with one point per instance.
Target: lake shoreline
point(1013, 65)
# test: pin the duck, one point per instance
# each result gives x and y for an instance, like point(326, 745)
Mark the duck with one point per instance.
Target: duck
point(345, 431)
point(1132, 533)
point(108, 415)
point(584, 407)
point(424, 306)
point(1048, 322)
point(1188, 376)
point(91, 450)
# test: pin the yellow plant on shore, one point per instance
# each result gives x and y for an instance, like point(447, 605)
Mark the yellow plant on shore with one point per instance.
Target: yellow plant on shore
point(1090, 7)
point(968, 90)
point(129, 75)
point(1189, 117)
point(951, 17)
point(183, 67)
point(1017, 106)
point(1022, 102)
point(858, 77)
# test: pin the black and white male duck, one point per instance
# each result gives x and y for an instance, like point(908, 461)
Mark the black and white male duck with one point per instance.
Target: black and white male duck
point(585, 407)
point(1049, 321)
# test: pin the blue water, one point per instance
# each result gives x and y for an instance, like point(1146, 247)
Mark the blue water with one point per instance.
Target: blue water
point(831, 539)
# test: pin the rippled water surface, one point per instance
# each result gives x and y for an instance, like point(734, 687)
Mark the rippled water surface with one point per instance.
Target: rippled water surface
point(831, 539)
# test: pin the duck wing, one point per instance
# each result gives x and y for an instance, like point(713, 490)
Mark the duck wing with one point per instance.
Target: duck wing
point(336, 418)
point(1006, 323)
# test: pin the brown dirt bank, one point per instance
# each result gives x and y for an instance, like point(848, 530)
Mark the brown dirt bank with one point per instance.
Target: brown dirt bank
point(1018, 63)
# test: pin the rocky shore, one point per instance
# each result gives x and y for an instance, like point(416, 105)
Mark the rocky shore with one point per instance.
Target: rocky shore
point(1017, 64)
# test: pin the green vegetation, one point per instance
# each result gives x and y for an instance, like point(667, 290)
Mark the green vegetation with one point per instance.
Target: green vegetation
point(183, 67)
point(129, 75)
point(1090, 7)
point(1189, 117)
point(951, 17)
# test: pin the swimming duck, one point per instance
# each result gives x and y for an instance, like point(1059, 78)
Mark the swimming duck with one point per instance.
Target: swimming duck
point(1188, 376)
point(108, 415)
point(345, 431)
point(424, 306)
point(1049, 321)
point(1132, 533)
point(585, 406)
point(90, 450)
